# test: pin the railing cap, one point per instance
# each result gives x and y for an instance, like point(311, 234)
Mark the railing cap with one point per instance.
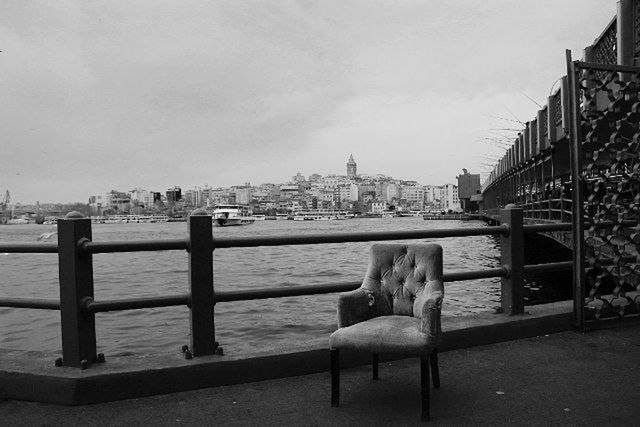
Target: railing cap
point(74, 215)
point(199, 212)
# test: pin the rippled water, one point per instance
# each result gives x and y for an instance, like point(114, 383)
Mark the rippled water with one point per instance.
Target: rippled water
point(240, 326)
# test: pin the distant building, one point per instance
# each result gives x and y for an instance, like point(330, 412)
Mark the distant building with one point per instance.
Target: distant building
point(243, 195)
point(468, 186)
point(442, 197)
point(289, 191)
point(449, 197)
point(141, 198)
point(378, 207)
point(414, 195)
point(299, 178)
point(96, 204)
point(351, 167)
point(173, 195)
point(118, 201)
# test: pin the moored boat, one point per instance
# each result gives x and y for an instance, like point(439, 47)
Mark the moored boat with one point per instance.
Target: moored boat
point(228, 215)
point(320, 215)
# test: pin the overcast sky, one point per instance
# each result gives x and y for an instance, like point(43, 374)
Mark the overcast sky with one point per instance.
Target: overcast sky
point(108, 95)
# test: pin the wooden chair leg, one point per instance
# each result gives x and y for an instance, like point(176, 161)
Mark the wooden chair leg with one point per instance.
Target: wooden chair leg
point(424, 387)
point(435, 372)
point(335, 376)
point(374, 365)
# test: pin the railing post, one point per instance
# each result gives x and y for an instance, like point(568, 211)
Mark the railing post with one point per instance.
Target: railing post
point(512, 258)
point(76, 284)
point(201, 297)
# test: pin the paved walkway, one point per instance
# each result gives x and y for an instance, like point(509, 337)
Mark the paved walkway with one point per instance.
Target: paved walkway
point(562, 379)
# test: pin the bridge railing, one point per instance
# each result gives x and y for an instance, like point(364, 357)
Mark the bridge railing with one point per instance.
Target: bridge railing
point(558, 210)
point(77, 305)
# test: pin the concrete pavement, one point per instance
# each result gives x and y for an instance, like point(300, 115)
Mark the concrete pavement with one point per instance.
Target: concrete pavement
point(566, 378)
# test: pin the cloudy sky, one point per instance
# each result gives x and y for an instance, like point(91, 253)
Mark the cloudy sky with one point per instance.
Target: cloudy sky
point(108, 95)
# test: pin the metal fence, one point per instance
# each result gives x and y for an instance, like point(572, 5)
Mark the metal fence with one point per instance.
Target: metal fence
point(77, 305)
point(605, 138)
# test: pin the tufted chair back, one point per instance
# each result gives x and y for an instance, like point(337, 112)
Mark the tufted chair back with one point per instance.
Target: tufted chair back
point(401, 277)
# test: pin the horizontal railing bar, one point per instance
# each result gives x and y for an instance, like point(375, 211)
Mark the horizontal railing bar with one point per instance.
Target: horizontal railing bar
point(612, 260)
point(44, 304)
point(548, 267)
point(135, 303)
point(136, 246)
point(611, 224)
point(456, 276)
point(237, 242)
point(540, 228)
point(288, 291)
point(607, 67)
point(24, 248)
point(328, 288)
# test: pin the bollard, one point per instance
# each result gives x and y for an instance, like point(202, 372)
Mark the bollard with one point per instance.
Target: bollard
point(512, 258)
point(76, 283)
point(201, 298)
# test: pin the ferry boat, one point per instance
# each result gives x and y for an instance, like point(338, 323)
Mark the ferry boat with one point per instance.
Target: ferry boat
point(126, 219)
point(227, 215)
point(320, 215)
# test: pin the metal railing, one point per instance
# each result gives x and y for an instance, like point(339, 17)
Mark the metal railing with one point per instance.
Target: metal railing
point(77, 306)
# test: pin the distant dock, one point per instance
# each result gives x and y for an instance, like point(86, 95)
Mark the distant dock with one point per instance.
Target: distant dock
point(459, 216)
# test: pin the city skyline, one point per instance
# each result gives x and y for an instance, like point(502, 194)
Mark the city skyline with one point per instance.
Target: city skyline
point(351, 175)
point(350, 171)
point(107, 95)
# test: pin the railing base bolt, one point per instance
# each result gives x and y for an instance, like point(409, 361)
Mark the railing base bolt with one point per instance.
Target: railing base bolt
point(219, 351)
point(100, 358)
point(84, 364)
point(58, 362)
point(185, 348)
point(188, 355)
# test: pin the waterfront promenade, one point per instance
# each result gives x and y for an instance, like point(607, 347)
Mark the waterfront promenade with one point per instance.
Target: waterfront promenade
point(566, 378)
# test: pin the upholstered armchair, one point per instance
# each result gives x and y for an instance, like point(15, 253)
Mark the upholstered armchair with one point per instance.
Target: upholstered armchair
point(396, 310)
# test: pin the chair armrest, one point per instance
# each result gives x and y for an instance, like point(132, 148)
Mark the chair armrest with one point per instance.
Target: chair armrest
point(429, 313)
point(353, 307)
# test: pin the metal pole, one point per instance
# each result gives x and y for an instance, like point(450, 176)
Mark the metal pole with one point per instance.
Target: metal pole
point(76, 284)
point(577, 196)
point(202, 298)
point(624, 37)
point(512, 258)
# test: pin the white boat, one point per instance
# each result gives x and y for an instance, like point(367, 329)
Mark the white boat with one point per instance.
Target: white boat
point(320, 215)
point(126, 219)
point(227, 215)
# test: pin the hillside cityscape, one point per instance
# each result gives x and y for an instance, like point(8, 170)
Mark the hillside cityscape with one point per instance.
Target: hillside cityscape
point(352, 192)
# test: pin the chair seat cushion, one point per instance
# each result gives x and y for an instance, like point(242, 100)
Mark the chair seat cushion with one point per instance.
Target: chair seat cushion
point(383, 334)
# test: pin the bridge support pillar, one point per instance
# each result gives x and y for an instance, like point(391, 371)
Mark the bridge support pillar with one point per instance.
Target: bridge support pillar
point(512, 258)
